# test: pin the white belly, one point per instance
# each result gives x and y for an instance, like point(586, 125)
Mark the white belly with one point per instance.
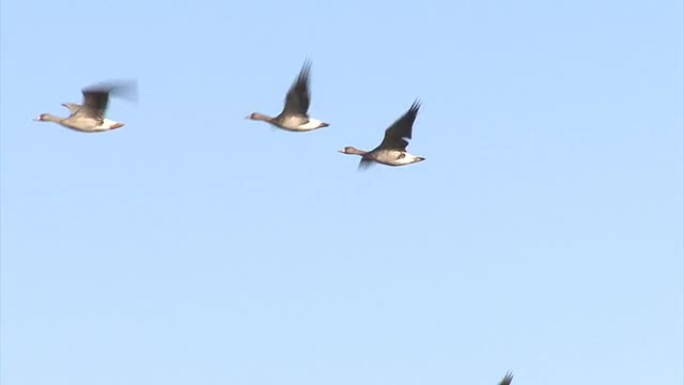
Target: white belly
point(394, 158)
point(312, 124)
point(106, 124)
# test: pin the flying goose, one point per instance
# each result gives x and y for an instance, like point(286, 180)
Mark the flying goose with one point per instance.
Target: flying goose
point(90, 116)
point(392, 150)
point(294, 116)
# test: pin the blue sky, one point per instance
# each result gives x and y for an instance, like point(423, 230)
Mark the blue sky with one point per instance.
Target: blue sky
point(542, 235)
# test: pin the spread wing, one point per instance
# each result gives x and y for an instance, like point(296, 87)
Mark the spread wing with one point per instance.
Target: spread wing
point(364, 164)
point(400, 130)
point(299, 97)
point(507, 379)
point(94, 103)
point(96, 98)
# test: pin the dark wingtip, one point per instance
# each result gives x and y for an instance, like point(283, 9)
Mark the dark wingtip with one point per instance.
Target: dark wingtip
point(114, 84)
point(124, 88)
point(302, 80)
point(306, 69)
point(508, 378)
point(416, 105)
point(364, 164)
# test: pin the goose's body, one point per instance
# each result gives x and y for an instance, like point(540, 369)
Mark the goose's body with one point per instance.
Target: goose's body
point(295, 113)
point(394, 157)
point(89, 116)
point(392, 150)
point(82, 124)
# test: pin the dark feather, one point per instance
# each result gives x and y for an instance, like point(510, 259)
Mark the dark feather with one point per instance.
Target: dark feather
point(507, 379)
point(96, 98)
point(299, 96)
point(364, 164)
point(401, 129)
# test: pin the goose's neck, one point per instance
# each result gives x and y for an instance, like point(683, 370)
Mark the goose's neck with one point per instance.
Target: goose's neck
point(355, 151)
point(51, 118)
point(258, 116)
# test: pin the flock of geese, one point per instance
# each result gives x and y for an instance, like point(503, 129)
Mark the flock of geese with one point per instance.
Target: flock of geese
point(90, 117)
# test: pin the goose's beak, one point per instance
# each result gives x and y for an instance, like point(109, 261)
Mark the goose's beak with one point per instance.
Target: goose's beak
point(324, 125)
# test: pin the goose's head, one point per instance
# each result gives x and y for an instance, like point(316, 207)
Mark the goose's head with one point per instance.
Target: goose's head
point(46, 118)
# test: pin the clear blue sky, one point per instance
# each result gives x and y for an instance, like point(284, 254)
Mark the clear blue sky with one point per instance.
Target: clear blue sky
point(542, 235)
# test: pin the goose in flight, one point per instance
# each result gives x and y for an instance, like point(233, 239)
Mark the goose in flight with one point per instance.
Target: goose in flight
point(295, 116)
point(392, 150)
point(90, 116)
